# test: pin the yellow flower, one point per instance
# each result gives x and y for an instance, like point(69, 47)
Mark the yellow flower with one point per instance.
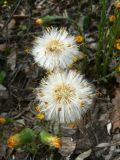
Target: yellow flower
point(39, 22)
point(56, 142)
point(117, 44)
point(13, 141)
point(41, 116)
point(112, 19)
point(118, 68)
point(79, 39)
point(2, 120)
point(117, 4)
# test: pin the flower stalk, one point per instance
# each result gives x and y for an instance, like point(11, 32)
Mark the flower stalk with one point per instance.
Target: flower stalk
point(47, 20)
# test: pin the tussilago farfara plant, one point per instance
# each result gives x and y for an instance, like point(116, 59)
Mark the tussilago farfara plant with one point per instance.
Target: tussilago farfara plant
point(65, 96)
point(55, 49)
point(28, 136)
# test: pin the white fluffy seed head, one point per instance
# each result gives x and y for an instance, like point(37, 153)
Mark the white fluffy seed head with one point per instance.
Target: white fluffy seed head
point(66, 96)
point(55, 49)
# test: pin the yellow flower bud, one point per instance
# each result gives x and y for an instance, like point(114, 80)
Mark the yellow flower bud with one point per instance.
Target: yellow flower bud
point(117, 44)
point(2, 120)
point(13, 141)
point(79, 39)
point(117, 4)
point(112, 19)
point(39, 22)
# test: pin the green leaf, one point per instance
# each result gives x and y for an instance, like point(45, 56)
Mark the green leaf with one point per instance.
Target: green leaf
point(2, 76)
point(86, 23)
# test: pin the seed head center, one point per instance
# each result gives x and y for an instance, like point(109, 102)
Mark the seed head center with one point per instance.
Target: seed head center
point(55, 47)
point(64, 93)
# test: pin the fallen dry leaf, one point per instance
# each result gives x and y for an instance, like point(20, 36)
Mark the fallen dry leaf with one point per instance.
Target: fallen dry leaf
point(68, 146)
point(84, 155)
point(115, 116)
point(11, 24)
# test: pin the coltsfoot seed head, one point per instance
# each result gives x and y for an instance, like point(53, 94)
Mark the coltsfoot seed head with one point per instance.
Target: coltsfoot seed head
point(66, 96)
point(55, 49)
